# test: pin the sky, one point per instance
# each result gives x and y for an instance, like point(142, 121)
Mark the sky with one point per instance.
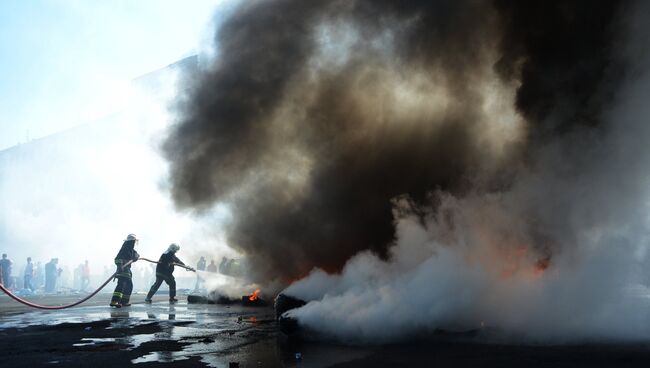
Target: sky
point(66, 62)
point(77, 194)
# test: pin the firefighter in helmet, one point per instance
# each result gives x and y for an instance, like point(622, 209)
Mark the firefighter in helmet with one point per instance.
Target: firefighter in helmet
point(127, 254)
point(164, 272)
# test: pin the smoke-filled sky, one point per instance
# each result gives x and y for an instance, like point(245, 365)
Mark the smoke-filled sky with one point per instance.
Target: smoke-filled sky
point(316, 115)
point(486, 160)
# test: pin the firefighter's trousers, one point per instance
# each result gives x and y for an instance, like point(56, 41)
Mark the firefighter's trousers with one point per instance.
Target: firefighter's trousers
point(169, 279)
point(122, 293)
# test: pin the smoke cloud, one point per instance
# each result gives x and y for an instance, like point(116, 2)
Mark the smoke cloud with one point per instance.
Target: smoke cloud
point(316, 114)
point(458, 162)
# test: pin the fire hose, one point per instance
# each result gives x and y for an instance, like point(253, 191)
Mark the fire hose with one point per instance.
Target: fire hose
point(55, 307)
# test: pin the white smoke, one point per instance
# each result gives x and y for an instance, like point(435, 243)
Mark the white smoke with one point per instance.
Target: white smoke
point(471, 275)
point(230, 287)
point(77, 194)
point(580, 208)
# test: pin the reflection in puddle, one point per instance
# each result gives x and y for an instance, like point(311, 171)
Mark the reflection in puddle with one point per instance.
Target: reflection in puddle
point(216, 335)
point(86, 341)
point(136, 340)
point(169, 314)
point(120, 314)
point(160, 356)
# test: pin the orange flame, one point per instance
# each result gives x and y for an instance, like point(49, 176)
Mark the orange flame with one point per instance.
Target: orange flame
point(518, 262)
point(253, 296)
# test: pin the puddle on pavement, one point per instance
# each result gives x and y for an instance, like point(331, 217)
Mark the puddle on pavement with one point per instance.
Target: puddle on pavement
point(89, 341)
point(215, 335)
point(161, 356)
point(136, 340)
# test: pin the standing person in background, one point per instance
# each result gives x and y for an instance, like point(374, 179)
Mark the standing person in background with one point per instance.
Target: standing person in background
point(127, 253)
point(63, 279)
point(231, 267)
point(164, 272)
point(59, 272)
point(29, 274)
point(223, 266)
point(85, 276)
point(200, 266)
point(5, 265)
point(50, 271)
point(51, 274)
point(212, 267)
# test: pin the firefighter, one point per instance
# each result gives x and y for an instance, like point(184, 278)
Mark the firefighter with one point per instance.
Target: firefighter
point(164, 272)
point(124, 287)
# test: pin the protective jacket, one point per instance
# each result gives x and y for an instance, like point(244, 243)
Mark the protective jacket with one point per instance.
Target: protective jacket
point(166, 262)
point(126, 254)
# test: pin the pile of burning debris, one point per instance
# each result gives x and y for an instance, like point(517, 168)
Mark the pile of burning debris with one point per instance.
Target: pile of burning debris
point(283, 303)
point(254, 299)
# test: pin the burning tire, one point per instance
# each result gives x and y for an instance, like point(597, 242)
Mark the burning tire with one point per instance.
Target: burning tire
point(211, 298)
point(284, 303)
point(253, 300)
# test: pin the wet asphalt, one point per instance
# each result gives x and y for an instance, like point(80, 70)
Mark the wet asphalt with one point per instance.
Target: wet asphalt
point(200, 335)
point(158, 334)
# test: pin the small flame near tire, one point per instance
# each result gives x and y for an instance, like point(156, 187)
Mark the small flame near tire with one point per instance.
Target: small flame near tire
point(253, 297)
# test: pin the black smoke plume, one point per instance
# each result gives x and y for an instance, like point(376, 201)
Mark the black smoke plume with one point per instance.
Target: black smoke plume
point(562, 52)
point(316, 115)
